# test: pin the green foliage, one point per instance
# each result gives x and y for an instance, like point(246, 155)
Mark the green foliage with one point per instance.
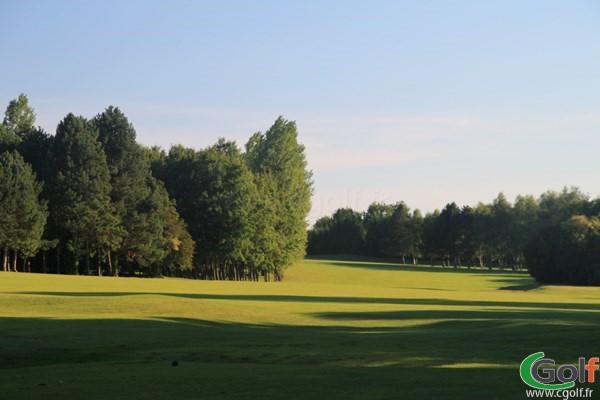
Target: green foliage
point(343, 233)
point(22, 213)
point(487, 235)
point(36, 149)
point(215, 194)
point(19, 118)
point(375, 222)
point(8, 140)
point(138, 199)
point(180, 245)
point(81, 196)
point(277, 153)
point(567, 253)
point(118, 207)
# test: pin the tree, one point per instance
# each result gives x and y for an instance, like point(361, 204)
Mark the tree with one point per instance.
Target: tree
point(320, 238)
point(216, 195)
point(8, 140)
point(482, 241)
point(35, 149)
point(375, 222)
point(343, 233)
point(277, 153)
point(133, 193)
point(399, 233)
point(557, 207)
point(501, 229)
point(19, 118)
point(448, 226)
point(416, 243)
point(431, 238)
point(180, 245)
point(525, 225)
point(22, 213)
point(566, 253)
point(82, 209)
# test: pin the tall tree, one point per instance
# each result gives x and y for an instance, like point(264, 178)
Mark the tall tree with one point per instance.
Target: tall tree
point(557, 207)
point(399, 233)
point(22, 213)
point(343, 233)
point(278, 153)
point(375, 222)
point(501, 229)
point(432, 246)
point(482, 240)
point(416, 243)
point(180, 246)
point(133, 192)
point(19, 117)
point(525, 225)
point(82, 209)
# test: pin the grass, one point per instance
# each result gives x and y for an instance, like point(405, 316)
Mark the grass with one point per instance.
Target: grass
point(334, 329)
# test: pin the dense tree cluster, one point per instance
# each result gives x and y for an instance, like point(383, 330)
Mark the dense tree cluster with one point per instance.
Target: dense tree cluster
point(486, 235)
point(567, 253)
point(90, 199)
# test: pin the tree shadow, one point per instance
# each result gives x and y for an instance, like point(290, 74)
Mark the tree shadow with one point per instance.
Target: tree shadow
point(390, 265)
point(445, 355)
point(339, 299)
point(452, 317)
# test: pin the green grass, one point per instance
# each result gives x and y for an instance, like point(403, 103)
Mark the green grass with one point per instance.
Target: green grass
point(332, 330)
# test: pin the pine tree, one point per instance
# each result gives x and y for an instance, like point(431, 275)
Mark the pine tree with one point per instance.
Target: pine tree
point(131, 192)
point(22, 213)
point(81, 205)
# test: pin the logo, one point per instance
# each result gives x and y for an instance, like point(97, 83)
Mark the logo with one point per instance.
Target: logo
point(540, 372)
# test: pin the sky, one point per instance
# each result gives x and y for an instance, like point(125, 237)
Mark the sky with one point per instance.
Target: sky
point(426, 102)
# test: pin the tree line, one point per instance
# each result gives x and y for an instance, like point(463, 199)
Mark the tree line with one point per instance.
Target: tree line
point(91, 199)
point(498, 234)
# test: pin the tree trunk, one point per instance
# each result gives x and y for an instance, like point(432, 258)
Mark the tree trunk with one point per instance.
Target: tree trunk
point(14, 264)
point(99, 262)
point(44, 265)
point(58, 260)
point(117, 267)
point(87, 259)
point(110, 267)
point(5, 266)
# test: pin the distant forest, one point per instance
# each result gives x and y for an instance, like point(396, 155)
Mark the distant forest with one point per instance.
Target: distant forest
point(556, 236)
point(92, 200)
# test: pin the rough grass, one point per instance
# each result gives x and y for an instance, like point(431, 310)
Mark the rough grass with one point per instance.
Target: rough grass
point(334, 329)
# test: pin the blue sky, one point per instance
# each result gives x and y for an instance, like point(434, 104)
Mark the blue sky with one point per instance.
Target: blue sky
point(426, 102)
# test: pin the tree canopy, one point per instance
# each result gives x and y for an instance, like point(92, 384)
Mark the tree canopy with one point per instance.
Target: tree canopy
point(118, 208)
point(529, 233)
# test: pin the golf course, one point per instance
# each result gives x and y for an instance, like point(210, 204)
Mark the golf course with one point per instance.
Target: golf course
point(335, 328)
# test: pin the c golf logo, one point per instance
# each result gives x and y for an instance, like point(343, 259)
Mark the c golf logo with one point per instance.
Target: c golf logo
point(543, 378)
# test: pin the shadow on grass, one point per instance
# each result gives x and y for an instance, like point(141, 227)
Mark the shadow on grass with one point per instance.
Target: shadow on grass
point(445, 337)
point(396, 265)
point(409, 359)
point(336, 299)
point(497, 317)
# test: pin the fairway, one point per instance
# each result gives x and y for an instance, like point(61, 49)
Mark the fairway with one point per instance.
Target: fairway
point(333, 329)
